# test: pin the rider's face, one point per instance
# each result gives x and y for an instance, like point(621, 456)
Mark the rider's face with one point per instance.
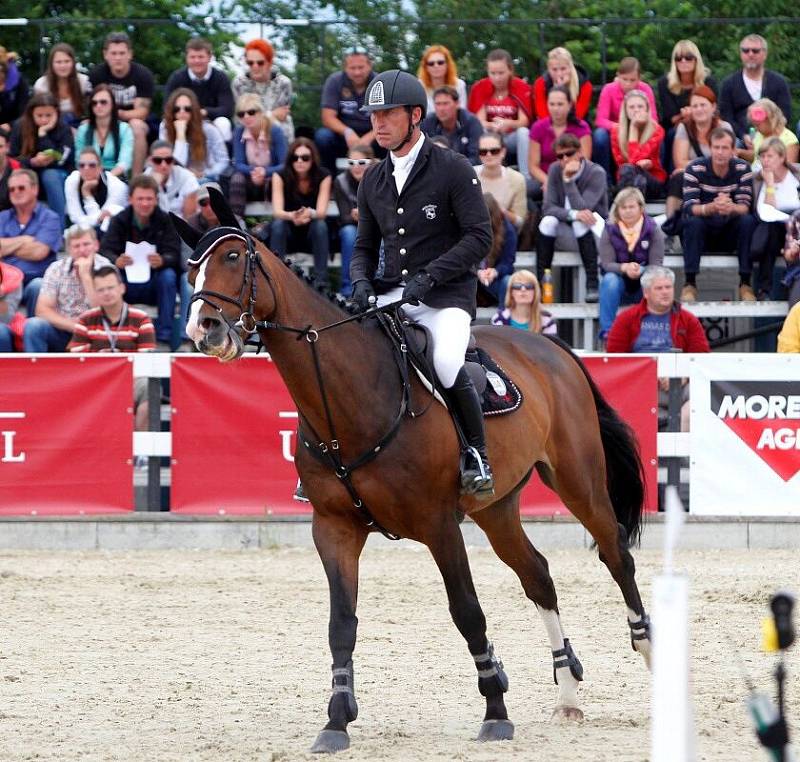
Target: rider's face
point(390, 126)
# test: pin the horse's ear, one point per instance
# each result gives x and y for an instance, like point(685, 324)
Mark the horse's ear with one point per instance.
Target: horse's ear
point(222, 209)
point(189, 235)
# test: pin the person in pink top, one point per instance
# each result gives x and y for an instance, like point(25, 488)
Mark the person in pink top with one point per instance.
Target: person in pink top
point(610, 104)
point(636, 145)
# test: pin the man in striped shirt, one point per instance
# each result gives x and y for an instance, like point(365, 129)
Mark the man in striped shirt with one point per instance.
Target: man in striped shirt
point(717, 196)
point(113, 326)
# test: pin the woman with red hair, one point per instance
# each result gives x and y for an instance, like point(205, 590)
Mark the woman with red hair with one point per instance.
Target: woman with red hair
point(437, 69)
point(274, 88)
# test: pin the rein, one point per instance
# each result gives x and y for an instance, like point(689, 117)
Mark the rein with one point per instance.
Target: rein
point(326, 452)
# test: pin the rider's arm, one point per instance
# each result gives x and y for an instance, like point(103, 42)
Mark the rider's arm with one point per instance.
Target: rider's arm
point(368, 239)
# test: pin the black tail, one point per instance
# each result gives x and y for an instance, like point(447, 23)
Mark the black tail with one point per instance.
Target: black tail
point(624, 471)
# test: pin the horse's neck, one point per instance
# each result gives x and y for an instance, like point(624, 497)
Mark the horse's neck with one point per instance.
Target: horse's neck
point(354, 361)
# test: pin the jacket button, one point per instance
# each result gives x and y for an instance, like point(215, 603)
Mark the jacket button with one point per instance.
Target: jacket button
point(402, 231)
point(402, 251)
point(404, 273)
point(400, 210)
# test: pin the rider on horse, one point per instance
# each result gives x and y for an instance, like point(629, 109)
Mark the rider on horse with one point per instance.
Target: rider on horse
point(425, 205)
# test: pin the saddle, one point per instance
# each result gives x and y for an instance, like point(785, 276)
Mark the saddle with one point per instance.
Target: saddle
point(498, 393)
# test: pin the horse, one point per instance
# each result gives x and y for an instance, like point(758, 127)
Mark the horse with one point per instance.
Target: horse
point(373, 457)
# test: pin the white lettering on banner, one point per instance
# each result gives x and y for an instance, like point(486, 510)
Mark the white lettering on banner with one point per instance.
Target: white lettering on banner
point(286, 436)
point(779, 439)
point(286, 445)
point(758, 406)
point(9, 456)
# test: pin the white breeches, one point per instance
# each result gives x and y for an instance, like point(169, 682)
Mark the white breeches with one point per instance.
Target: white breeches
point(449, 327)
point(549, 227)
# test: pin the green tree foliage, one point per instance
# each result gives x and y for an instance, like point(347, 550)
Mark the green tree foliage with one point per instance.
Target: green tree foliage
point(598, 33)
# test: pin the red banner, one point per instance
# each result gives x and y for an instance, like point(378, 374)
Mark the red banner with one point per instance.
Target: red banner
point(66, 433)
point(233, 438)
point(234, 428)
point(629, 384)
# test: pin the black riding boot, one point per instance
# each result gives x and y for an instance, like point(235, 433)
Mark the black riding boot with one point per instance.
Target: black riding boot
point(545, 249)
point(588, 250)
point(476, 474)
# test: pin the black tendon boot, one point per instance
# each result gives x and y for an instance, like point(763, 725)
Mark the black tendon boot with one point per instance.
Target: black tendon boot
point(545, 249)
point(476, 474)
point(588, 250)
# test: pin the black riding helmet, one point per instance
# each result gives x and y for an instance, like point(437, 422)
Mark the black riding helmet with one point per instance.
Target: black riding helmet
point(392, 89)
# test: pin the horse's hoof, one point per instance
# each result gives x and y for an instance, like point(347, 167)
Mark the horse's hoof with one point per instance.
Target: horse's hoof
point(331, 741)
point(496, 730)
point(570, 713)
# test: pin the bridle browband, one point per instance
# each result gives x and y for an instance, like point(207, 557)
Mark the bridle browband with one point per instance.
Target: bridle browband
point(326, 452)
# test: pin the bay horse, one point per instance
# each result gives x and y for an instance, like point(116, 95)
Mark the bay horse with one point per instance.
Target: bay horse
point(366, 467)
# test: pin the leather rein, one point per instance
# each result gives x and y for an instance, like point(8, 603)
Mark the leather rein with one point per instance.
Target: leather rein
point(328, 451)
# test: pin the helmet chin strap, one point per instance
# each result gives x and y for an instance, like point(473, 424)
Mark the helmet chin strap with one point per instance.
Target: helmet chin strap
point(409, 133)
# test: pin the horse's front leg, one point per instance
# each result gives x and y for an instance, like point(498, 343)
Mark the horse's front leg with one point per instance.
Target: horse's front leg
point(447, 546)
point(339, 541)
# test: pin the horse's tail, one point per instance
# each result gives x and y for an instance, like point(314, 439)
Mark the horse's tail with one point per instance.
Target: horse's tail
point(624, 470)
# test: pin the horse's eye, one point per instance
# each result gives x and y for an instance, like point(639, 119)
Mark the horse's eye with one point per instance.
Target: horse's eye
point(232, 255)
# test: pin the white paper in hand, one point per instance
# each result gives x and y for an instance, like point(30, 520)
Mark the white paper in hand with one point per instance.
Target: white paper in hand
point(768, 213)
point(139, 271)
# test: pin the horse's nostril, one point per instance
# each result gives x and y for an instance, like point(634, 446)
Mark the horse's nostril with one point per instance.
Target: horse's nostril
point(209, 323)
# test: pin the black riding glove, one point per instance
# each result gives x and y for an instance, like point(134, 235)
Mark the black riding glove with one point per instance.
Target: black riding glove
point(418, 287)
point(362, 292)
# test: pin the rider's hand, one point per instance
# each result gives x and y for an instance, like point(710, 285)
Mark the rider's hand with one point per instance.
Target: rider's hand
point(362, 291)
point(417, 288)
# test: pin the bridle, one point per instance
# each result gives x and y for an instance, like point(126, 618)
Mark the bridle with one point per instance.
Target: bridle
point(328, 451)
point(253, 263)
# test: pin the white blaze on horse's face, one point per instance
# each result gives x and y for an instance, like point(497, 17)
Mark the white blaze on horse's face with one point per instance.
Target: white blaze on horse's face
point(193, 329)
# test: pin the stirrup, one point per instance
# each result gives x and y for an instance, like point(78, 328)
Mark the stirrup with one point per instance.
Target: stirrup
point(479, 480)
point(300, 493)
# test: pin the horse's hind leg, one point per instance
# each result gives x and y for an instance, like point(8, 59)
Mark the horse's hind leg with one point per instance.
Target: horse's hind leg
point(580, 482)
point(447, 547)
point(339, 542)
point(502, 526)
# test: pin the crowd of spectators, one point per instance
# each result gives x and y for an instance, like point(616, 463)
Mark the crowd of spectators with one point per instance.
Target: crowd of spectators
point(84, 158)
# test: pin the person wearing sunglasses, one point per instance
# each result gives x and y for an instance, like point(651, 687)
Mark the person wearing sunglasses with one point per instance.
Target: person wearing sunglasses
point(505, 184)
point(112, 138)
point(262, 78)
point(133, 86)
point(575, 199)
point(754, 81)
point(522, 306)
point(461, 130)
point(344, 124)
point(259, 151)
point(423, 229)
point(177, 186)
point(211, 85)
point(301, 192)
point(345, 193)
point(197, 143)
point(93, 195)
point(438, 69)
point(686, 73)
